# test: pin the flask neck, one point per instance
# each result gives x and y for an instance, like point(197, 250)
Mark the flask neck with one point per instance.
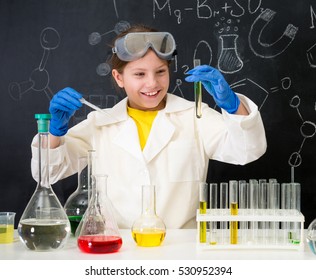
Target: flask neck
point(99, 187)
point(82, 173)
point(43, 159)
point(91, 170)
point(148, 200)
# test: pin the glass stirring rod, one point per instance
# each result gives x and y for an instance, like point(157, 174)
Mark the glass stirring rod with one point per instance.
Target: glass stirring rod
point(83, 101)
point(198, 93)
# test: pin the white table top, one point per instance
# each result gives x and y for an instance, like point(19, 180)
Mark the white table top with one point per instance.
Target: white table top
point(178, 245)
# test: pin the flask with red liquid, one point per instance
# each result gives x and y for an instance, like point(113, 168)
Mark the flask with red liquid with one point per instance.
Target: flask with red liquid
point(99, 233)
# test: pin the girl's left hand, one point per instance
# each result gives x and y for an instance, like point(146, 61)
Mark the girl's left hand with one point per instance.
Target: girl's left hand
point(216, 85)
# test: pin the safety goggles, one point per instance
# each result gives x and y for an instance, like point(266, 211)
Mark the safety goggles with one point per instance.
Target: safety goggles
point(135, 45)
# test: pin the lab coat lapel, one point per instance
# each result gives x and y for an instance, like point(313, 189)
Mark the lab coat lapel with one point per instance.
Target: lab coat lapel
point(160, 134)
point(128, 139)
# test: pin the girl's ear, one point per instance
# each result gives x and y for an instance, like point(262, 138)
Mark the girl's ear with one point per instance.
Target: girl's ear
point(118, 78)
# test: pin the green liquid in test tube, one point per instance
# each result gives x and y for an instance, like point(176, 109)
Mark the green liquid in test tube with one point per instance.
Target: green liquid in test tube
point(198, 93)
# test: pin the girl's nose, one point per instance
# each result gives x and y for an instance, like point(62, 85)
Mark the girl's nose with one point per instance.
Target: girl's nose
point(151, 80)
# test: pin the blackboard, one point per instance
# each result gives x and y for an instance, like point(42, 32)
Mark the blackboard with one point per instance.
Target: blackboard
point(266, 49)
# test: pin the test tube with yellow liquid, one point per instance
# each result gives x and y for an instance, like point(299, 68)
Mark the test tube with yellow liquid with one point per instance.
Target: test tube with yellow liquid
point(233, 202)
point(198, 93)
point(202, 208)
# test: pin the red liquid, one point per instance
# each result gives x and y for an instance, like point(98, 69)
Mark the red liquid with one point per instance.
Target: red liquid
point(99, 244)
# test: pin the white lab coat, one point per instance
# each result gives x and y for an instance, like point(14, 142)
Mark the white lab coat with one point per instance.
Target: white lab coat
point(175, 157)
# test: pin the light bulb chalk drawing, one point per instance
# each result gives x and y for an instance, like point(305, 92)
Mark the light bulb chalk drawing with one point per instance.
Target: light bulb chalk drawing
point(39, 77)
point(274, 49)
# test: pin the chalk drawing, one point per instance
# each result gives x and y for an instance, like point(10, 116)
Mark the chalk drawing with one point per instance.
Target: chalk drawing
point(274, 49)
point(39, 77)
point(103, 69)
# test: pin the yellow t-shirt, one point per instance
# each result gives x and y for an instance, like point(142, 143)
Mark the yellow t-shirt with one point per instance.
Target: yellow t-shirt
point(144, 121)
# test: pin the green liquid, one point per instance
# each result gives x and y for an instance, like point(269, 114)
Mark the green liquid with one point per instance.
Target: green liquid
point(74, 223)
point(44, 235)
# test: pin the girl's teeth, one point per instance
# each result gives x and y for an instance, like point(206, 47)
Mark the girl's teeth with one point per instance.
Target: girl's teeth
point(150, 93)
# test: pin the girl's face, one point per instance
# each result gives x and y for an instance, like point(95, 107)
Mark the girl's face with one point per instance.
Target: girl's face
point(146, 82)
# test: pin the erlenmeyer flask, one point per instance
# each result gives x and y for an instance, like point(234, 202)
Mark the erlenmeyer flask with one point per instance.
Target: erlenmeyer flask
point(99, 232)
point(90, 170)
point(77, 202)
point(148, 230)
point(44, 224)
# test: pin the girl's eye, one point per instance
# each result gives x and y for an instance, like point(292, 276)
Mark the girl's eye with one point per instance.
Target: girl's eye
point(162, 71)
point(139, 74)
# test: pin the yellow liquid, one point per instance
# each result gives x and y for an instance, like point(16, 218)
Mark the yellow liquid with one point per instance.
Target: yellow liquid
point(203, 224)
point(234, 225)
point(6, 233)
point(149, 238)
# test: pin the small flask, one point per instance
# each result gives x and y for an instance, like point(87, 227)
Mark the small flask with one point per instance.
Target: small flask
point(311, 236)
point(148, 230)
point(99, 231)
point(77, 202)
point(44, 224)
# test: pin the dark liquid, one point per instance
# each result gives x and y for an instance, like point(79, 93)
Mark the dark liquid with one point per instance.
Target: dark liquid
point(74, 223)
point(99, 244)
point(43, 235)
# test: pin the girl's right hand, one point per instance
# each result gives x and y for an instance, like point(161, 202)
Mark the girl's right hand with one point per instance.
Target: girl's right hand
point(62, 107)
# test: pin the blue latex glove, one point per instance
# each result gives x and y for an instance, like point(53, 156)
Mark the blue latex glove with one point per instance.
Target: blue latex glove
point(62, 107)
point(216, 85)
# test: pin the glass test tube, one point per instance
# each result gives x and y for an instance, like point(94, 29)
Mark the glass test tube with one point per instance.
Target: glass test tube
point(296, 207)
point(262, 205)
point(233, 202)
point(253, 190)
point(273, 194)
point(286, 205)
point(198, 93)
point(202, 208)
point(242, 203)
point(223, 204)
point(213, 207)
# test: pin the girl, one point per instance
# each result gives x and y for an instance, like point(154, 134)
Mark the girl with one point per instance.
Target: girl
point(151, 136)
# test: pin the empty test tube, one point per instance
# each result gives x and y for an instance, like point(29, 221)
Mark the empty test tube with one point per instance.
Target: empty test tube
point(253, 191)
point(242, 203)
point(273, 196)
point(198, 93)
point(262, 205)
point(223, 204)
point(203, 206)
point(213, 206)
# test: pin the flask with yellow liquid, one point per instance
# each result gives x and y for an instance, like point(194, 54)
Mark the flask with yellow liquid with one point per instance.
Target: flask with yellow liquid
point(148, 230)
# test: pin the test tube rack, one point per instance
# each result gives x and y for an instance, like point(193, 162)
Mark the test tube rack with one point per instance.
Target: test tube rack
point(257, 229)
